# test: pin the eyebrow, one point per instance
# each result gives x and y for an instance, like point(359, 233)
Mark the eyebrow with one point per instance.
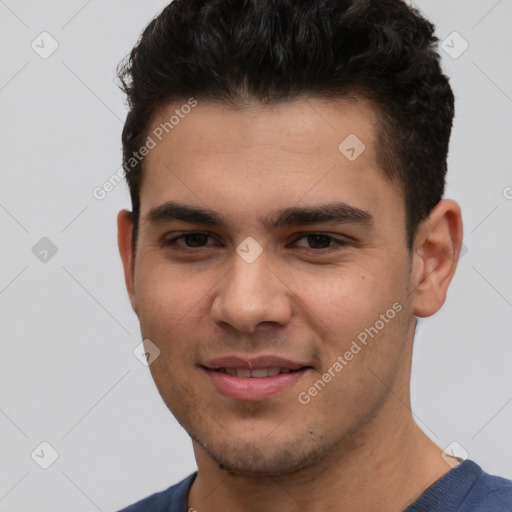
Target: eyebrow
point(340, 213)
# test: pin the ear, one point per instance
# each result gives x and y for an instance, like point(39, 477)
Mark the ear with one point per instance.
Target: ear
point(124, 241)
point(435, 256)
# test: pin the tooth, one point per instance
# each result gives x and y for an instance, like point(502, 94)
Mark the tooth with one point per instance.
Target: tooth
point(258, 374)
point(230, 371)
point(285, 370)
point(273, 371)
point(243, 372)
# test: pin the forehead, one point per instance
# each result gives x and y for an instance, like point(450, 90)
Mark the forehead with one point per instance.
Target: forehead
point(256, 158)
point(304, 126)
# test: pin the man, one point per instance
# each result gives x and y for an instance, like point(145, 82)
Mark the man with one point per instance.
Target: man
point(286, 163)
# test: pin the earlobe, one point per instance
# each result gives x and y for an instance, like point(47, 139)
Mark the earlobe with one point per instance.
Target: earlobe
point(435, 257)
point(124, 241)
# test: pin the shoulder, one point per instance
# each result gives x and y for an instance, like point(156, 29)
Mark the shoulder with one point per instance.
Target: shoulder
point(489, 493)
point(173, 499)
point(466, 488)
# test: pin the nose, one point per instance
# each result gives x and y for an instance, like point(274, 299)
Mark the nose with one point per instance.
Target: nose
point(251, 294)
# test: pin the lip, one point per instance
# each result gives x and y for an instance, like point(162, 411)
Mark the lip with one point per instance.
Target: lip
point(253, 389)
point(253, 363)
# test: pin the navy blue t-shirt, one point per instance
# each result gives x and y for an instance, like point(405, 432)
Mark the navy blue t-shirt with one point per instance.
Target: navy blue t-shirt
point(465, 488)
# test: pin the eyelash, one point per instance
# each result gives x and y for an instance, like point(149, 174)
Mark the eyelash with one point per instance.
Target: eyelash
point(337, 243)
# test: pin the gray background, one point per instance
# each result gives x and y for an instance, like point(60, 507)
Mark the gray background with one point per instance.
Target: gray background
point(68, 375)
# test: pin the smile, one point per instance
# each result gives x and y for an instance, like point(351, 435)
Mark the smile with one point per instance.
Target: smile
point(255, 374)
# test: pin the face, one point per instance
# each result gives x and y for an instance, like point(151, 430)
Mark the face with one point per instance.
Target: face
point(273, 275)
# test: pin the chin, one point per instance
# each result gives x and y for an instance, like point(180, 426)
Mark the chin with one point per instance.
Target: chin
point(263, 459)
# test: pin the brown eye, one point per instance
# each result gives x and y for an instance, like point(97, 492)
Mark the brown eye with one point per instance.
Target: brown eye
point(192, 240)
point(195, 239)
point(320, 243)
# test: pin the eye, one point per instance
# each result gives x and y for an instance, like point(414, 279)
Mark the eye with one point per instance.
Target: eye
point(320, 242)
point(315, 243)
point(193, 240)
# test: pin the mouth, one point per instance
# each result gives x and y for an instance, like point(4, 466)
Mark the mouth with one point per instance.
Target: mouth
point(254, 379)
point(260, 373)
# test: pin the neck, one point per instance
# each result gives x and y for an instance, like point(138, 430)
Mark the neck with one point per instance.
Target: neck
point(385, 472)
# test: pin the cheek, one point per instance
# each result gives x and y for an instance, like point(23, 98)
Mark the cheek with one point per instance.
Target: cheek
point(173, 312)
point(349, 295)
point(362, 362)
point(165, 294)
point(167, 304)
point(360, 315)
point(174, 301)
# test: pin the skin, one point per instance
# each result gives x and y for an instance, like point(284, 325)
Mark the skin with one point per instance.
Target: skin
point(355, 445)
